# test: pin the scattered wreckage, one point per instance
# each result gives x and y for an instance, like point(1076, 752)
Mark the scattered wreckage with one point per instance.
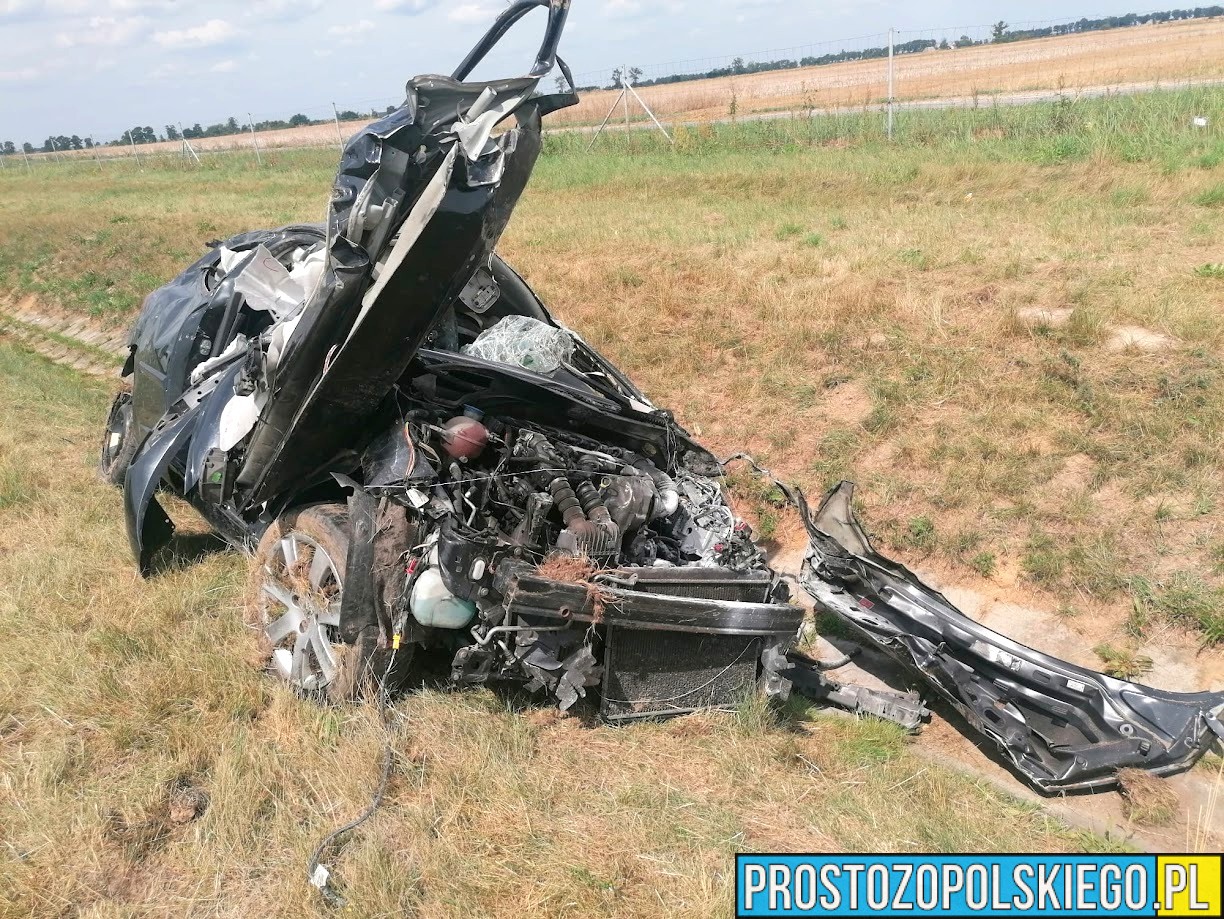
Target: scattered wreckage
point(424, 461)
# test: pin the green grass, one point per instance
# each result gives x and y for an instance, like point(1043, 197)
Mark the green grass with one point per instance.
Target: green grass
point(119, 692)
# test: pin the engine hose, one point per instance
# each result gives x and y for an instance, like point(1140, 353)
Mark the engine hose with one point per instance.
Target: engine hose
point(566, 501)
point(669, 494)
point(588, 496)
point(595, 509)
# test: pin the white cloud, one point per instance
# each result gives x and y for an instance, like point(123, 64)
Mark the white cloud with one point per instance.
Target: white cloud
point(473, 12)
point(622, 7)
point(24, 75)
point(284, 10)
point(51, 9)
point(226, 66)
point(136, 6)
point(213, 32)
point(104, 30)
point(360, 27)
point(408, 7)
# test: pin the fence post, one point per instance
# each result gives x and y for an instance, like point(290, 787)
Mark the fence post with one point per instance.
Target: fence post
point(27, 158)
point(188, 150)
point(97, 157)
point(54, 150)
point(132, 141)
point(890, 82)
point(254, 139)
point(339, 133)
point(625, 93)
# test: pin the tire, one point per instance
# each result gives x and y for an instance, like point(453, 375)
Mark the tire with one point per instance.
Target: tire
point(294, 594)
point(119, 443)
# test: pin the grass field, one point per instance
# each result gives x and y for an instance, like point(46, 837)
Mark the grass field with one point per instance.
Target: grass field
point(1006, 327)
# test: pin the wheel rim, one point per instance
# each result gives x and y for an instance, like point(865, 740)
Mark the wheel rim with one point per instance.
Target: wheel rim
point(301, 612)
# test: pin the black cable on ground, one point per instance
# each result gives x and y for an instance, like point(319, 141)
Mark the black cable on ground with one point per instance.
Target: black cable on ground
point(317, 874)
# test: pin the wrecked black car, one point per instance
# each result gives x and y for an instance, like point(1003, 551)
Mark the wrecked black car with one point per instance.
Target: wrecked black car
point(424, 461)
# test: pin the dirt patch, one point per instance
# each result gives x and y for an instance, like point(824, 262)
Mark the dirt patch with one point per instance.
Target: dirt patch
point(848, 403)
point(1075, 475)
point(1042, 317)
point(1133, 337)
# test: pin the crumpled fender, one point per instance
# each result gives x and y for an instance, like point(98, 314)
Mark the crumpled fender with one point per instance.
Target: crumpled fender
point(149, 528)
point(208, 430)
point(1061, 726)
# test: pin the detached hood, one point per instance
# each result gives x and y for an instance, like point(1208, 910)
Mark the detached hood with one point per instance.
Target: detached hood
point(420, 201)
point(1061, 726)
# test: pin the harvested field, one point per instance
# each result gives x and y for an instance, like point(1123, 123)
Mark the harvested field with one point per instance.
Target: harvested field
point(1182, 52)
point(1177, 53)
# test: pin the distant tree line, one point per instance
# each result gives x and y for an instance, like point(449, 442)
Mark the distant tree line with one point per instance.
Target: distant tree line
point(1109, 22)
point(139, 135)
point(1000, 32)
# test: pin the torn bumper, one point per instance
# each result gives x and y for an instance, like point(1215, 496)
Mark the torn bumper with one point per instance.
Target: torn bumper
point(1061, 726)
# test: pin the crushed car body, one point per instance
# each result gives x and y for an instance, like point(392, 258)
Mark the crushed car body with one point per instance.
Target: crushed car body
point(424, 461)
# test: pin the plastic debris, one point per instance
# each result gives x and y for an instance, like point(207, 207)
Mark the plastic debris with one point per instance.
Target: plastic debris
point(523, 342)
point(320, 877)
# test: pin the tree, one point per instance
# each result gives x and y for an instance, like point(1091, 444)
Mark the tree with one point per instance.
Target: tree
point(737, 65)
point(89, 143)
point(27, 147)
point(299, 120)
point(618, 82)
point(998, 31)
point(172, 132)
point(232, 124)
point(9, 148)
point(944, 46)
point(349, 115)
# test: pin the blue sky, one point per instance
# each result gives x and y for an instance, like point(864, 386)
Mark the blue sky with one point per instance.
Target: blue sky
point(96, 67)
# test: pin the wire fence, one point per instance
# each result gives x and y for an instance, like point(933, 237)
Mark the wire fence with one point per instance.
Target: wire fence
point(861, 86)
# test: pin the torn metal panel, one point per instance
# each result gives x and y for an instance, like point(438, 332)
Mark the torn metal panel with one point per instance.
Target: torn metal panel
point(1061, 726)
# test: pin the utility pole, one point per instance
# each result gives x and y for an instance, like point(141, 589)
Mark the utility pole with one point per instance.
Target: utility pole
point(891, 34)
point(27, 158)
point(339, 133)
point(254, 139)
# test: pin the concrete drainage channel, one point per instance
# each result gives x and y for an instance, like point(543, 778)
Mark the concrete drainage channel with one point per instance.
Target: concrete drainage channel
point(71, 340)
point(87, 347)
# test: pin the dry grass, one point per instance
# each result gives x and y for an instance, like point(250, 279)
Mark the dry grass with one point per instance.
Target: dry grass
point(147, 768)
point(938, 321)
point(932, 320)
point(1146, 799)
